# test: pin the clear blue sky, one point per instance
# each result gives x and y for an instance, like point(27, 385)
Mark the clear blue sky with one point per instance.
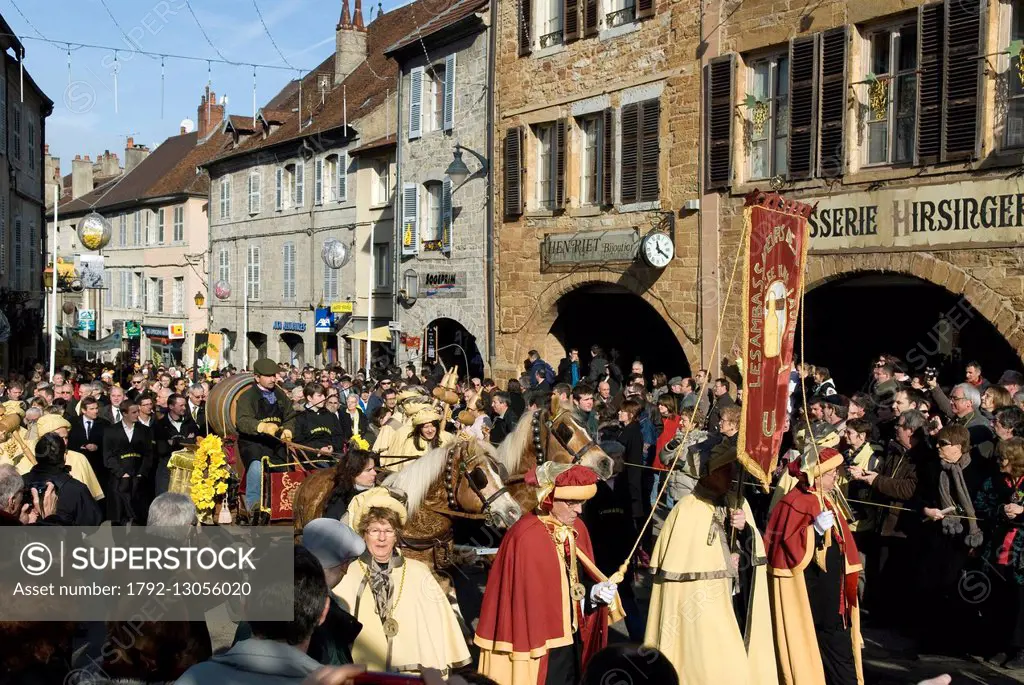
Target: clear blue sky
point(84, 120)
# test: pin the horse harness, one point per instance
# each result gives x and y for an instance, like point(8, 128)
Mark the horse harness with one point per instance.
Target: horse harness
point(552, 426)
point(453, 476)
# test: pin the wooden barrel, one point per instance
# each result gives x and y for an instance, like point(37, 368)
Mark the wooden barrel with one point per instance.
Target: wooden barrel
point(220, 403)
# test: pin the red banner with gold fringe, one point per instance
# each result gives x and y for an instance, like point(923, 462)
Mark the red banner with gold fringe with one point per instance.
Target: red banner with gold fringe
point(773, 270)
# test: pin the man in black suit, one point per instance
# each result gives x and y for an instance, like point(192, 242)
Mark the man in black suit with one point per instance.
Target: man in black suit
point(112, 412)
point(196, 407)
point(86, 436)
point(128, 456)
point(169, 434)
point(504, 419)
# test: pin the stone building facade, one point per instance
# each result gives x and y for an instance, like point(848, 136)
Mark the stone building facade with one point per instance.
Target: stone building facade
point(444, 228)
point(904, 126)
point(597, 130)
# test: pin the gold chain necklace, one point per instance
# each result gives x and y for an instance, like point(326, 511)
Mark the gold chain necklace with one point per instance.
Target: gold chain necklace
point(390, 625)
point(577, 591)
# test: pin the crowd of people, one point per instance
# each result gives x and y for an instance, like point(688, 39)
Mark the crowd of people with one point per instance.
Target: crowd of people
point(898, 503)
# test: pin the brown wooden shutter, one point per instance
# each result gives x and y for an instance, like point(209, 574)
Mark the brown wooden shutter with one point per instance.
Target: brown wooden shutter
point(650, 115)
point(962, 73)
point(719, 105)
point(607, 170)
point(559, 153)
point(590, 17)
point(644, 8)
point(832, 143)
point(628, 165)
point(514, 171)
point(570, 20)
point(802, 105)
point(930, 21)
point(525, 21)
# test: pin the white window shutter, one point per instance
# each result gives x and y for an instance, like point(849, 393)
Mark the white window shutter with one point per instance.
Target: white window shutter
point(279, 188)
point(446, 216)
point(410, 219)
point(416, 102)
point(318, 182)
point(343, 177)
point(3, 117)
point(300, 184)
point(449, 92)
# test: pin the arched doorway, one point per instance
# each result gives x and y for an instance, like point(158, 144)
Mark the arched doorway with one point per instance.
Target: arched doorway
point(293, 349)
point(257, 346)
point(455, 346)
point(851, 320)
point(615, 318)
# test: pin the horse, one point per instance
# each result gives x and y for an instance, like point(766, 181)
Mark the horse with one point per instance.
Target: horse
point(542, 435)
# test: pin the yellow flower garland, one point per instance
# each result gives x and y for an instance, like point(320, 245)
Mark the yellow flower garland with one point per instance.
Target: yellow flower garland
point(209, 475)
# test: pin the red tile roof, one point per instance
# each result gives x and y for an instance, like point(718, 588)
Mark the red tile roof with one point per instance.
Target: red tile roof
point(374, 145)
point(451, 16)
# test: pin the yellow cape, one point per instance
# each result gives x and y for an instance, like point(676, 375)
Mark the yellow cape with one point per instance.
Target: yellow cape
point(403, 446)
point(691, 618)
point(428, 635)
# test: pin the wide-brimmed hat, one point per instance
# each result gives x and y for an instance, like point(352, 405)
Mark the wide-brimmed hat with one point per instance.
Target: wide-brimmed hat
point(379, 497)
point(425, 416)
point(48, 423)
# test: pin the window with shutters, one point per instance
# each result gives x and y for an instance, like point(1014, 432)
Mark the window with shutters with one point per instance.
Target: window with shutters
point(19, 251)
point(410, 218)
point(178, 296)
point(638, 167)
point(151, 285)
point(150, 227)
point(1013, 128)
point(340, 183)
point(16, 131)
point(318, 181)
point(299, 197)
point(430, 228)
point(549, 22)
point(224, 265)
point(159, 296)
point(513, 167)
point(891, 91)
point(381, 181)
point(137, 290)
point(768, 116)
point(255, 192)
point(252, 272)
point(591, 163)
point(436, 88)
point(160, 235)
point(225, 197)
point(108, 288)
point(288, 263)
point(179, 224)
point(280, 189)
point(382, 266)
point(137, 228)
point(122, 230)
point(619, 12)
point(332, 180)
point(31, 131)
point(416, 102)
point(547, 159)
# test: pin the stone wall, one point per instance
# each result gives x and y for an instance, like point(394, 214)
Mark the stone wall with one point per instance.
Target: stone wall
point(655, 58)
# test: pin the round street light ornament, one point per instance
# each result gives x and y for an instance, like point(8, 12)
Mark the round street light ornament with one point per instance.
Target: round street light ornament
point(68, 307)
point(335, 254)
point(94, 231)
point(222, 290)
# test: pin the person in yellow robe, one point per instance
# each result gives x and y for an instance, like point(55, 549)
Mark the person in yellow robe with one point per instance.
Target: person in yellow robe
point(81, 469)
point(425, 434)
point(408, 622)
point(710, 612)
point(396, 431)
point(13, 446)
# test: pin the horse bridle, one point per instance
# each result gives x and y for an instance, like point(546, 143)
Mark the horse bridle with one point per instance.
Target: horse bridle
point(550, 424)
point(453, 479)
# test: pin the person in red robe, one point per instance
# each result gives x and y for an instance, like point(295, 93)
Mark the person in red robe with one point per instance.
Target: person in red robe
point(547, 607)
point(813, 567)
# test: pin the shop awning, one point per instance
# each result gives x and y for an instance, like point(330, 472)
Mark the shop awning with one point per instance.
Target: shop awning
point(381, 334)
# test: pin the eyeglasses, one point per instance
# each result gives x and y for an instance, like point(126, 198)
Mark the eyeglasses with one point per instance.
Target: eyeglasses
point(944, 443)
point(958, 398)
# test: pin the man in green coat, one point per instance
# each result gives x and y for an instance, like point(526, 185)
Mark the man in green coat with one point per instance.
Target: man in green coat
point(265, 420)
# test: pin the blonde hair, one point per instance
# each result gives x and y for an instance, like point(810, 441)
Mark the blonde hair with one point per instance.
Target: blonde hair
point(383, 514)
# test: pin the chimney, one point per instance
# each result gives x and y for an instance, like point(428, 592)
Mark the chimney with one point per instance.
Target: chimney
point(107, 165)
point(349, 43)
point(210, 114)
point(133, 154)
point(81, 176)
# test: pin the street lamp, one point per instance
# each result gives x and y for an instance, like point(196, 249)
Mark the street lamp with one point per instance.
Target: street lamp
point(200, 300)
point(457, 169)
point(410, 288)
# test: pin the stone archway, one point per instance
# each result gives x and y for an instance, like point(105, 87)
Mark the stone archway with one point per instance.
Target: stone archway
point(673, 308)
point(991, 305)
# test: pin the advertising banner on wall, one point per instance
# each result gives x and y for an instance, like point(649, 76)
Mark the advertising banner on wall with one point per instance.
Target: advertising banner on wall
point(773, 271)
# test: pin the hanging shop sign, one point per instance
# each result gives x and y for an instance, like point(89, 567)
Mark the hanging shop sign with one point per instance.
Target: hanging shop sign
point(439, 284)
point(431, 347)
point(324, 320)
point(132, 330)
point(341, 308)
point(86, 320)
point(590, 247)
point(176, 331)
point(155, 331)
point(933, 216)
point(293, 326)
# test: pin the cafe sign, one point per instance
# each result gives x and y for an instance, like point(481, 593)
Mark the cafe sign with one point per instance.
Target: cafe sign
point(590, 247)
point(438, 284)
point(929, 216)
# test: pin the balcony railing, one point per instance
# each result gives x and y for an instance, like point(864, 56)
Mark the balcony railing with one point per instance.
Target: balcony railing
point(620, 17)
point(549, 39)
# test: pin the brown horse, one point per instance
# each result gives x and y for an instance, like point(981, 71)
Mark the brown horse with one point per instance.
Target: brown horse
point(542, 435)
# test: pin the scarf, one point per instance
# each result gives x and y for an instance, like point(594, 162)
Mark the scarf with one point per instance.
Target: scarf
point(953, 525)
point(269, 396)
point(381, 585)
point(355, 421)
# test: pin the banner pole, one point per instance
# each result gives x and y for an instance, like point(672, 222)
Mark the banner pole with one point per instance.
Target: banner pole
point(53, 289)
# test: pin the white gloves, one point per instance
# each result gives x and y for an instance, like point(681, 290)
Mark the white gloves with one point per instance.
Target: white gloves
point(603, 593)
point(824, 521)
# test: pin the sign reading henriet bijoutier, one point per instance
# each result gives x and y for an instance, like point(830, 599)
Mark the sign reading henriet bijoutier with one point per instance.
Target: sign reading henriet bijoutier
point(590, 247)
point(926, 216)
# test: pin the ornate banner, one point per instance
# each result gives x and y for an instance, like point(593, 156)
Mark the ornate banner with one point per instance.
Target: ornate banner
point(283, 487)
point(773, 271)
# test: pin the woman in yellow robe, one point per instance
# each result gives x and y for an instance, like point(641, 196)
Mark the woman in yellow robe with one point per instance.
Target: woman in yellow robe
point(408, 622)
point(692, 619)
point(425, 434)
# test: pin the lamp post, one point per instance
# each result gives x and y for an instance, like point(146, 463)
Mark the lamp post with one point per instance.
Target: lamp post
point(335, 254)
